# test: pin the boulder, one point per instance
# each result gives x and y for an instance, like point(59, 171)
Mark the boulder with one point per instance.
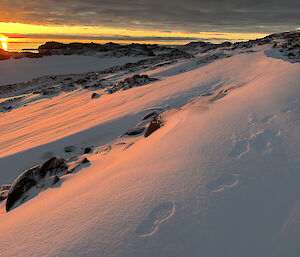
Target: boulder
point(154, 125)
point(20, 186)
point(37, 175)
point(53, 166)
point(87, 150)
point(85, 160)
point(95, 95)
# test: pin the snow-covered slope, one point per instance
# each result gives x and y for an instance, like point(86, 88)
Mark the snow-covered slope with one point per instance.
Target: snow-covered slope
point(219, 178)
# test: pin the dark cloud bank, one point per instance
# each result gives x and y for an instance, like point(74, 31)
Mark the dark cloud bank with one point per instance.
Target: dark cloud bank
point(263, 16)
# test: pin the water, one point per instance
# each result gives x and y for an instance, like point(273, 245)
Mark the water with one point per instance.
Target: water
point(24, 46)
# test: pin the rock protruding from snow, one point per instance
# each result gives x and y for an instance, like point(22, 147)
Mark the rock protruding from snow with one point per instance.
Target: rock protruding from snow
point(154, 125)
point(87, 150)
point(95, 95)
point(134, 81)
point(289, 44)
point(38, 175)
point(201, 47)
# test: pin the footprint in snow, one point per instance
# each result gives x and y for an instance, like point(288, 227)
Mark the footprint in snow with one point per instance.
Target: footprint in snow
point(252, 119)
point(157, 216)
point(260, 142)
point(267, 119)
point(240, 148)
point(223, 182)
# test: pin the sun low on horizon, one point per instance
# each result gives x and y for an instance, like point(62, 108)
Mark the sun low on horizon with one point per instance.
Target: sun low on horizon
point(3, 40)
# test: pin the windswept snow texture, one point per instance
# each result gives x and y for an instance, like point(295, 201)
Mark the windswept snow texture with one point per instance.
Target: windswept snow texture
point(219, 178)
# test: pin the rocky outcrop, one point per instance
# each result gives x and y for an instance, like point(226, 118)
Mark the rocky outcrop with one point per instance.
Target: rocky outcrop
point(108, 49)
point(134, 81)
point(201, 47)
point(41, 175)
point(154, 125)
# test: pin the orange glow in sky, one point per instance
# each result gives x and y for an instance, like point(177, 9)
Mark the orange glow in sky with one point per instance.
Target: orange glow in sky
point(20, 28)
point(33, 35)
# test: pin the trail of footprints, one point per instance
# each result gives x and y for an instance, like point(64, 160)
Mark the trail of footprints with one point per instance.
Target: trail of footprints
point(259, 141)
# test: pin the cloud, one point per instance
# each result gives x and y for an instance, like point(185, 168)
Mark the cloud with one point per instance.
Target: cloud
point(264, 16)
point(107, 37)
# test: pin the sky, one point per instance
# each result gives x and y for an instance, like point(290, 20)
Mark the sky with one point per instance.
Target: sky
point(145, 21)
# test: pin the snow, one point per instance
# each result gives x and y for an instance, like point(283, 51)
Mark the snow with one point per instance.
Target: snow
point(220, 178)
point(19, 70)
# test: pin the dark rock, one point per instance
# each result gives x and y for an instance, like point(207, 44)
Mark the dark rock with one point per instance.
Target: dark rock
point(53, 166)
point(33, 177)
point(20, 186)
point(134, 131)
point(149, 115)
point(154, 125)
point(95, 95)
point(134, 81)
point(81, 81)
point(70, 148)
point(85, 160)
point(87, 150)
point(54, 180)
point(108, 49)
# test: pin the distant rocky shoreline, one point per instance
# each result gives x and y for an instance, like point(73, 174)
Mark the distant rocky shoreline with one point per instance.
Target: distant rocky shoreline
point(290, 48)
point(89, 49)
